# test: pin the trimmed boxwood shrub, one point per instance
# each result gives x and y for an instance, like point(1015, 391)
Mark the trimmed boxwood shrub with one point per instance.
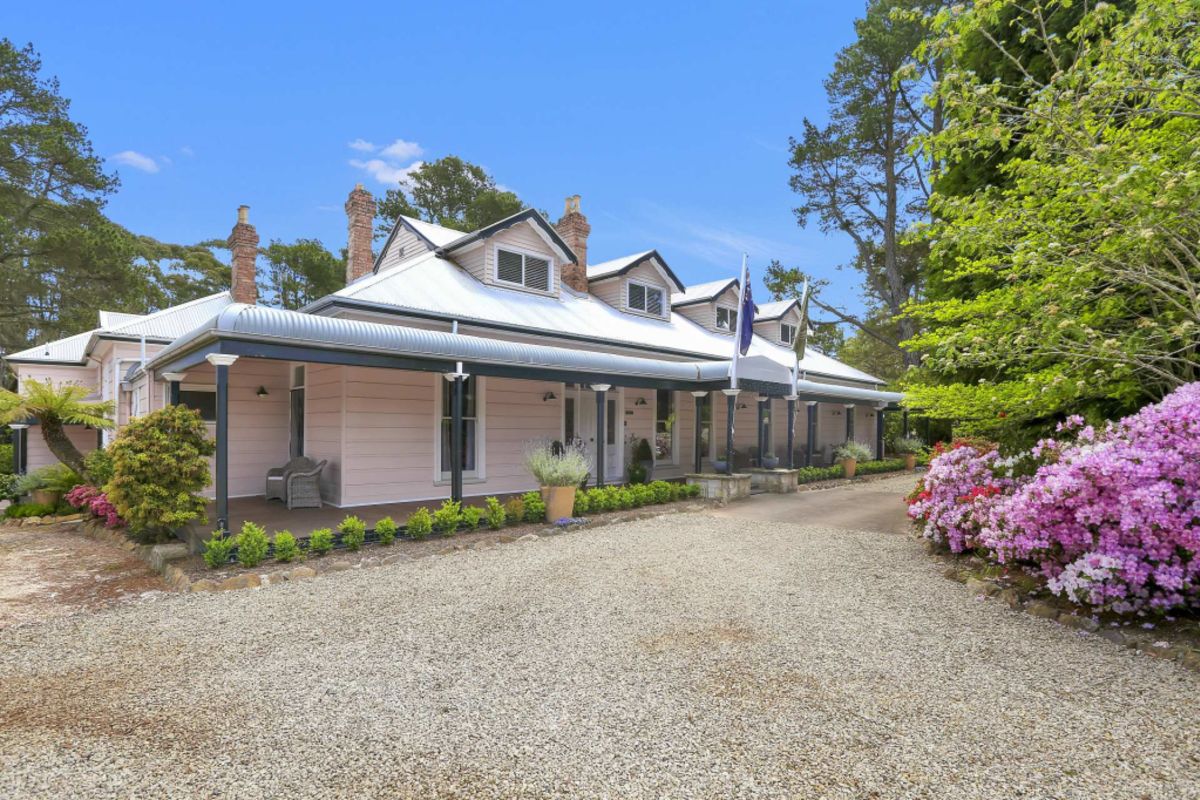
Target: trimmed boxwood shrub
point(471, 516)
point(354, 532)
point(514, 511)
point(217, 549)
point(494, 513)
point(320, 541)
point(252, 545)
point(535, 509)
point(386, 529)
point(420, 523)
point(445, 519)
point(286, 548)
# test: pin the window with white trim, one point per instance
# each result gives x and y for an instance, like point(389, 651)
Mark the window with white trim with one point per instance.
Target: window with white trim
point(787, 333)
point(727, 318)
point(648, 299)
point(523, 269)
point(470, 440)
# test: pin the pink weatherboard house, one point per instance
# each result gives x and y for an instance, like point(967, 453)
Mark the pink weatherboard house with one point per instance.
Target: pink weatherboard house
point(512, 319)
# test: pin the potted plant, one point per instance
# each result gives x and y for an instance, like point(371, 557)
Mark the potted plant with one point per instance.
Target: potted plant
point(644, 456)
point(560, 470)
point(720, 465)
point(770, 460)
point(850, 453)
point(909, 447)
point(47, 485)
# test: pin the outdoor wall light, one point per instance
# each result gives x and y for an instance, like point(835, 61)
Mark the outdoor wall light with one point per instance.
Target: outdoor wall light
point(262, 391)
point(548, 396)
point(741, 406)
point(641, 401)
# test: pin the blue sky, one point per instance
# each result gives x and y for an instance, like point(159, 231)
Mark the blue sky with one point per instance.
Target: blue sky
point(671, 120)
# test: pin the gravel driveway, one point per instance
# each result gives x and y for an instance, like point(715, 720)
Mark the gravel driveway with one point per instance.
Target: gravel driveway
point(695, 655)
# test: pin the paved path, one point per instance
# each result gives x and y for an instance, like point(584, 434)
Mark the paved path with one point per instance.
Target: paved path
point(693, 655)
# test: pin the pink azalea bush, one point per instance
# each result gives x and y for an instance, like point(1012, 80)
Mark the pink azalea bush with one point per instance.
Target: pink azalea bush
point(956, 498)
point(95, 502)
point(1111, 518)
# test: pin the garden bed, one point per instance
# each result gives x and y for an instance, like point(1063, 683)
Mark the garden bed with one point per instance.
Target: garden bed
point(192, 574)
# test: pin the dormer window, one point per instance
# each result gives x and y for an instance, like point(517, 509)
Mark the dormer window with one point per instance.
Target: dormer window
point(523, 269)
point(787, 333)
point(727, 318)
point(647, 299)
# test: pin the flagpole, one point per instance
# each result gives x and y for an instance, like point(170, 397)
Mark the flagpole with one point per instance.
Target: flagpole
point(799, 332)
point(737, 333)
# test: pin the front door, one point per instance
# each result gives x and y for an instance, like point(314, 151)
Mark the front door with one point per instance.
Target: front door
point(580, 423)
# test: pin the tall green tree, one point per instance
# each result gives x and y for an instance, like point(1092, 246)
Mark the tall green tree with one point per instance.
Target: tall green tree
point(61, 259)
point(300, 272)
point(859, 175)
point(1070, 282)
point(449, 192)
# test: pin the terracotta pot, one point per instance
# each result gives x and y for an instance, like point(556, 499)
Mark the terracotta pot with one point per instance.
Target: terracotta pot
point(45, 497)
point(910, 461)
point(849, 467)
point(560, 502)
point(545, 490)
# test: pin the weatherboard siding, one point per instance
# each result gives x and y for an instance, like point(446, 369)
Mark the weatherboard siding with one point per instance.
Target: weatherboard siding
point(403, 246)
point(323, 411)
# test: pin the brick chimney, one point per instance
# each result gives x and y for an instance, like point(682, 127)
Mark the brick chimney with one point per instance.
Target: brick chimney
point(243, 243)
point(360, 213)
point(574, 229)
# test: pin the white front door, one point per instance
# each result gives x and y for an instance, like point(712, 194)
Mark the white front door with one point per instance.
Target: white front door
point(580, 423)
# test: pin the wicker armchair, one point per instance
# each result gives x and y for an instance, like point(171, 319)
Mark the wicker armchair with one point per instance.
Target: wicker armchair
point(277, 477)
point(304, 487)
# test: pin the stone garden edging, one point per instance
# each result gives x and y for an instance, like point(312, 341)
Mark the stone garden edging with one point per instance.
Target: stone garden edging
point(1022, 596)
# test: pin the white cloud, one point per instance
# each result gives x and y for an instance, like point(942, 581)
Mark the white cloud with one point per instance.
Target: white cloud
point(132, 158)
point(401, 150)
point(187, 151)
point(386, 173)
point(390, 166)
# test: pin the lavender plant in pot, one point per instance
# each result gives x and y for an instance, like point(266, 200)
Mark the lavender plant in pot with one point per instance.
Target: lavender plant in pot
point(559, 470)
point(849, 454)
point(909, 447)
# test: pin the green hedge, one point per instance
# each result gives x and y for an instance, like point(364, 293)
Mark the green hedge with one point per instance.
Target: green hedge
point(814, 474)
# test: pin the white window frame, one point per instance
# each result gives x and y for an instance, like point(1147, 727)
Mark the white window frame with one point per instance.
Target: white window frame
point(551, 283)
point(784, 338)
point(479, 474)
point(733, 323)
point(646, 287)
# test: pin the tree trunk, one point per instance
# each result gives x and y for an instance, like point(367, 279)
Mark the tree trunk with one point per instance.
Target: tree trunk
point(61, 445)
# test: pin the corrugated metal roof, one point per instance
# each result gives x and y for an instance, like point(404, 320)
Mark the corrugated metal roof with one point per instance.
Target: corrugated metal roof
point(72, 349)
point(702, 291)
point(281, 326)
point(111, 318)
point(284, 326)
point(612, 267)
point(173, 322)
point(165, 325)
point(432, 284)
point(774, 309)
point(435, 233)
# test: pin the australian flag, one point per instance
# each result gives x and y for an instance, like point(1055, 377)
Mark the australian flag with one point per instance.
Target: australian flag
point(746, 316)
